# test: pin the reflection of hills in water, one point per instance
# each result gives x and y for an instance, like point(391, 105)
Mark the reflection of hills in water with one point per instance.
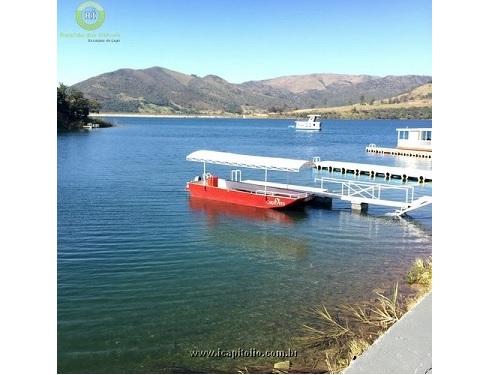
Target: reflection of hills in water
point(215, 210)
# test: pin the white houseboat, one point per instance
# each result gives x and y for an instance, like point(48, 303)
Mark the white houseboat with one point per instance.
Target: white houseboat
point(416, 142)
point(311, 124)
point(418, 139)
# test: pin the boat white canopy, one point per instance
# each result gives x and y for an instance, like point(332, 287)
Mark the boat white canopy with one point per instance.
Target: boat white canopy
point(249, 161)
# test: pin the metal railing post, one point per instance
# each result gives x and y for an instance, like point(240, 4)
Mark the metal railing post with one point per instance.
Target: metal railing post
point(265, 182)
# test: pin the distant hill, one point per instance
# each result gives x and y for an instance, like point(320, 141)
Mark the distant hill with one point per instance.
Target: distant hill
point(164, 91)
point(303, 83)
point(416, 103)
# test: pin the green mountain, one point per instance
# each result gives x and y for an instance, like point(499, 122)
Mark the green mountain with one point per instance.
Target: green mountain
point(160, 90)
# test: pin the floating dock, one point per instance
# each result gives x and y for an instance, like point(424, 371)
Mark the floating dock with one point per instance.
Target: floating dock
point(373, 170)
point(399, 152)
point(360, 194)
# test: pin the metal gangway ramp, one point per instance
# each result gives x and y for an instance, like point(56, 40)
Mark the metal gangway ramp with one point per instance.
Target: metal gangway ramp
point(361, 194)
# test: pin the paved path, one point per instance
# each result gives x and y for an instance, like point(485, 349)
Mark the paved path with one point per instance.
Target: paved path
point(406, 348)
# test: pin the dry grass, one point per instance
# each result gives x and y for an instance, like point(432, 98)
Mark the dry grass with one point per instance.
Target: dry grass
point(420, 273)
point(343, 333)
point(365, 107)
point(417, 95)
point(339, 357)
point(327, 331)
point(381, 314)
point(387, 310)
point(347, 331)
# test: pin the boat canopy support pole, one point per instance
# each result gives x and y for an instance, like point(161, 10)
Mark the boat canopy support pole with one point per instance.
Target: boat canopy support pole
point(265, 181)
point(204, 170)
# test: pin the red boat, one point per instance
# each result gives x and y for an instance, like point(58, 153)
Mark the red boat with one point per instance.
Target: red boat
point(243, 193)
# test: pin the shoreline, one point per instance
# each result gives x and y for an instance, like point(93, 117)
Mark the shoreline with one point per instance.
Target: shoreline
point(403, 329)
point(406, 347)
point(148, 115)
point(231, 117)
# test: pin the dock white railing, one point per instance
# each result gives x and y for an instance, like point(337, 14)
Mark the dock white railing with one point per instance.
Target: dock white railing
point(281, 194)
point(236, 175)
point(365, 190)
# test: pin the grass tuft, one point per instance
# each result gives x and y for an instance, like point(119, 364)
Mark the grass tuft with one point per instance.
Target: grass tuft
point(381, 314)
point(387, 310)
point(347, 331)
point(420, 273)
point(328, 330)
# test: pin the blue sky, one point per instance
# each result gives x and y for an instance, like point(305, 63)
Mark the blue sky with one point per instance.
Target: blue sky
point(247, 40)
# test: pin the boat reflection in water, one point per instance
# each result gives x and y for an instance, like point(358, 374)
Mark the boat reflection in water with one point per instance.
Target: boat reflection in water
point(251, 235)
point(214, 210)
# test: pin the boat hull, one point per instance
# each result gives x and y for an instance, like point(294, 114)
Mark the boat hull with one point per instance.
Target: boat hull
point(243, 198)
point(304, 125)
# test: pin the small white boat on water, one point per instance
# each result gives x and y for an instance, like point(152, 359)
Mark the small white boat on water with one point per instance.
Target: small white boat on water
point(311, 124)
point(87, 127)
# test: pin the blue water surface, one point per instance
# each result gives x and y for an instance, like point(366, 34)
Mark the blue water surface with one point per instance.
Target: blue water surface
point(145, 274)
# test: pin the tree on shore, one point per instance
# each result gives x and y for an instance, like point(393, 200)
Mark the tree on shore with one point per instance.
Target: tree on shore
point(73, 108)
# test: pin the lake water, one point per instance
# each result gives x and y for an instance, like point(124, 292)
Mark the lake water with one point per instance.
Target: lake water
point(145, 275)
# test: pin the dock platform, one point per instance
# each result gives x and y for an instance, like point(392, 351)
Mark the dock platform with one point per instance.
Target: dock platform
point(360, 194)
point(305, 189)
point(399, 152)
point(374, 170)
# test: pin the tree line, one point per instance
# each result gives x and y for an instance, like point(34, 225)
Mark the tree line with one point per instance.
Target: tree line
point(73, 109)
